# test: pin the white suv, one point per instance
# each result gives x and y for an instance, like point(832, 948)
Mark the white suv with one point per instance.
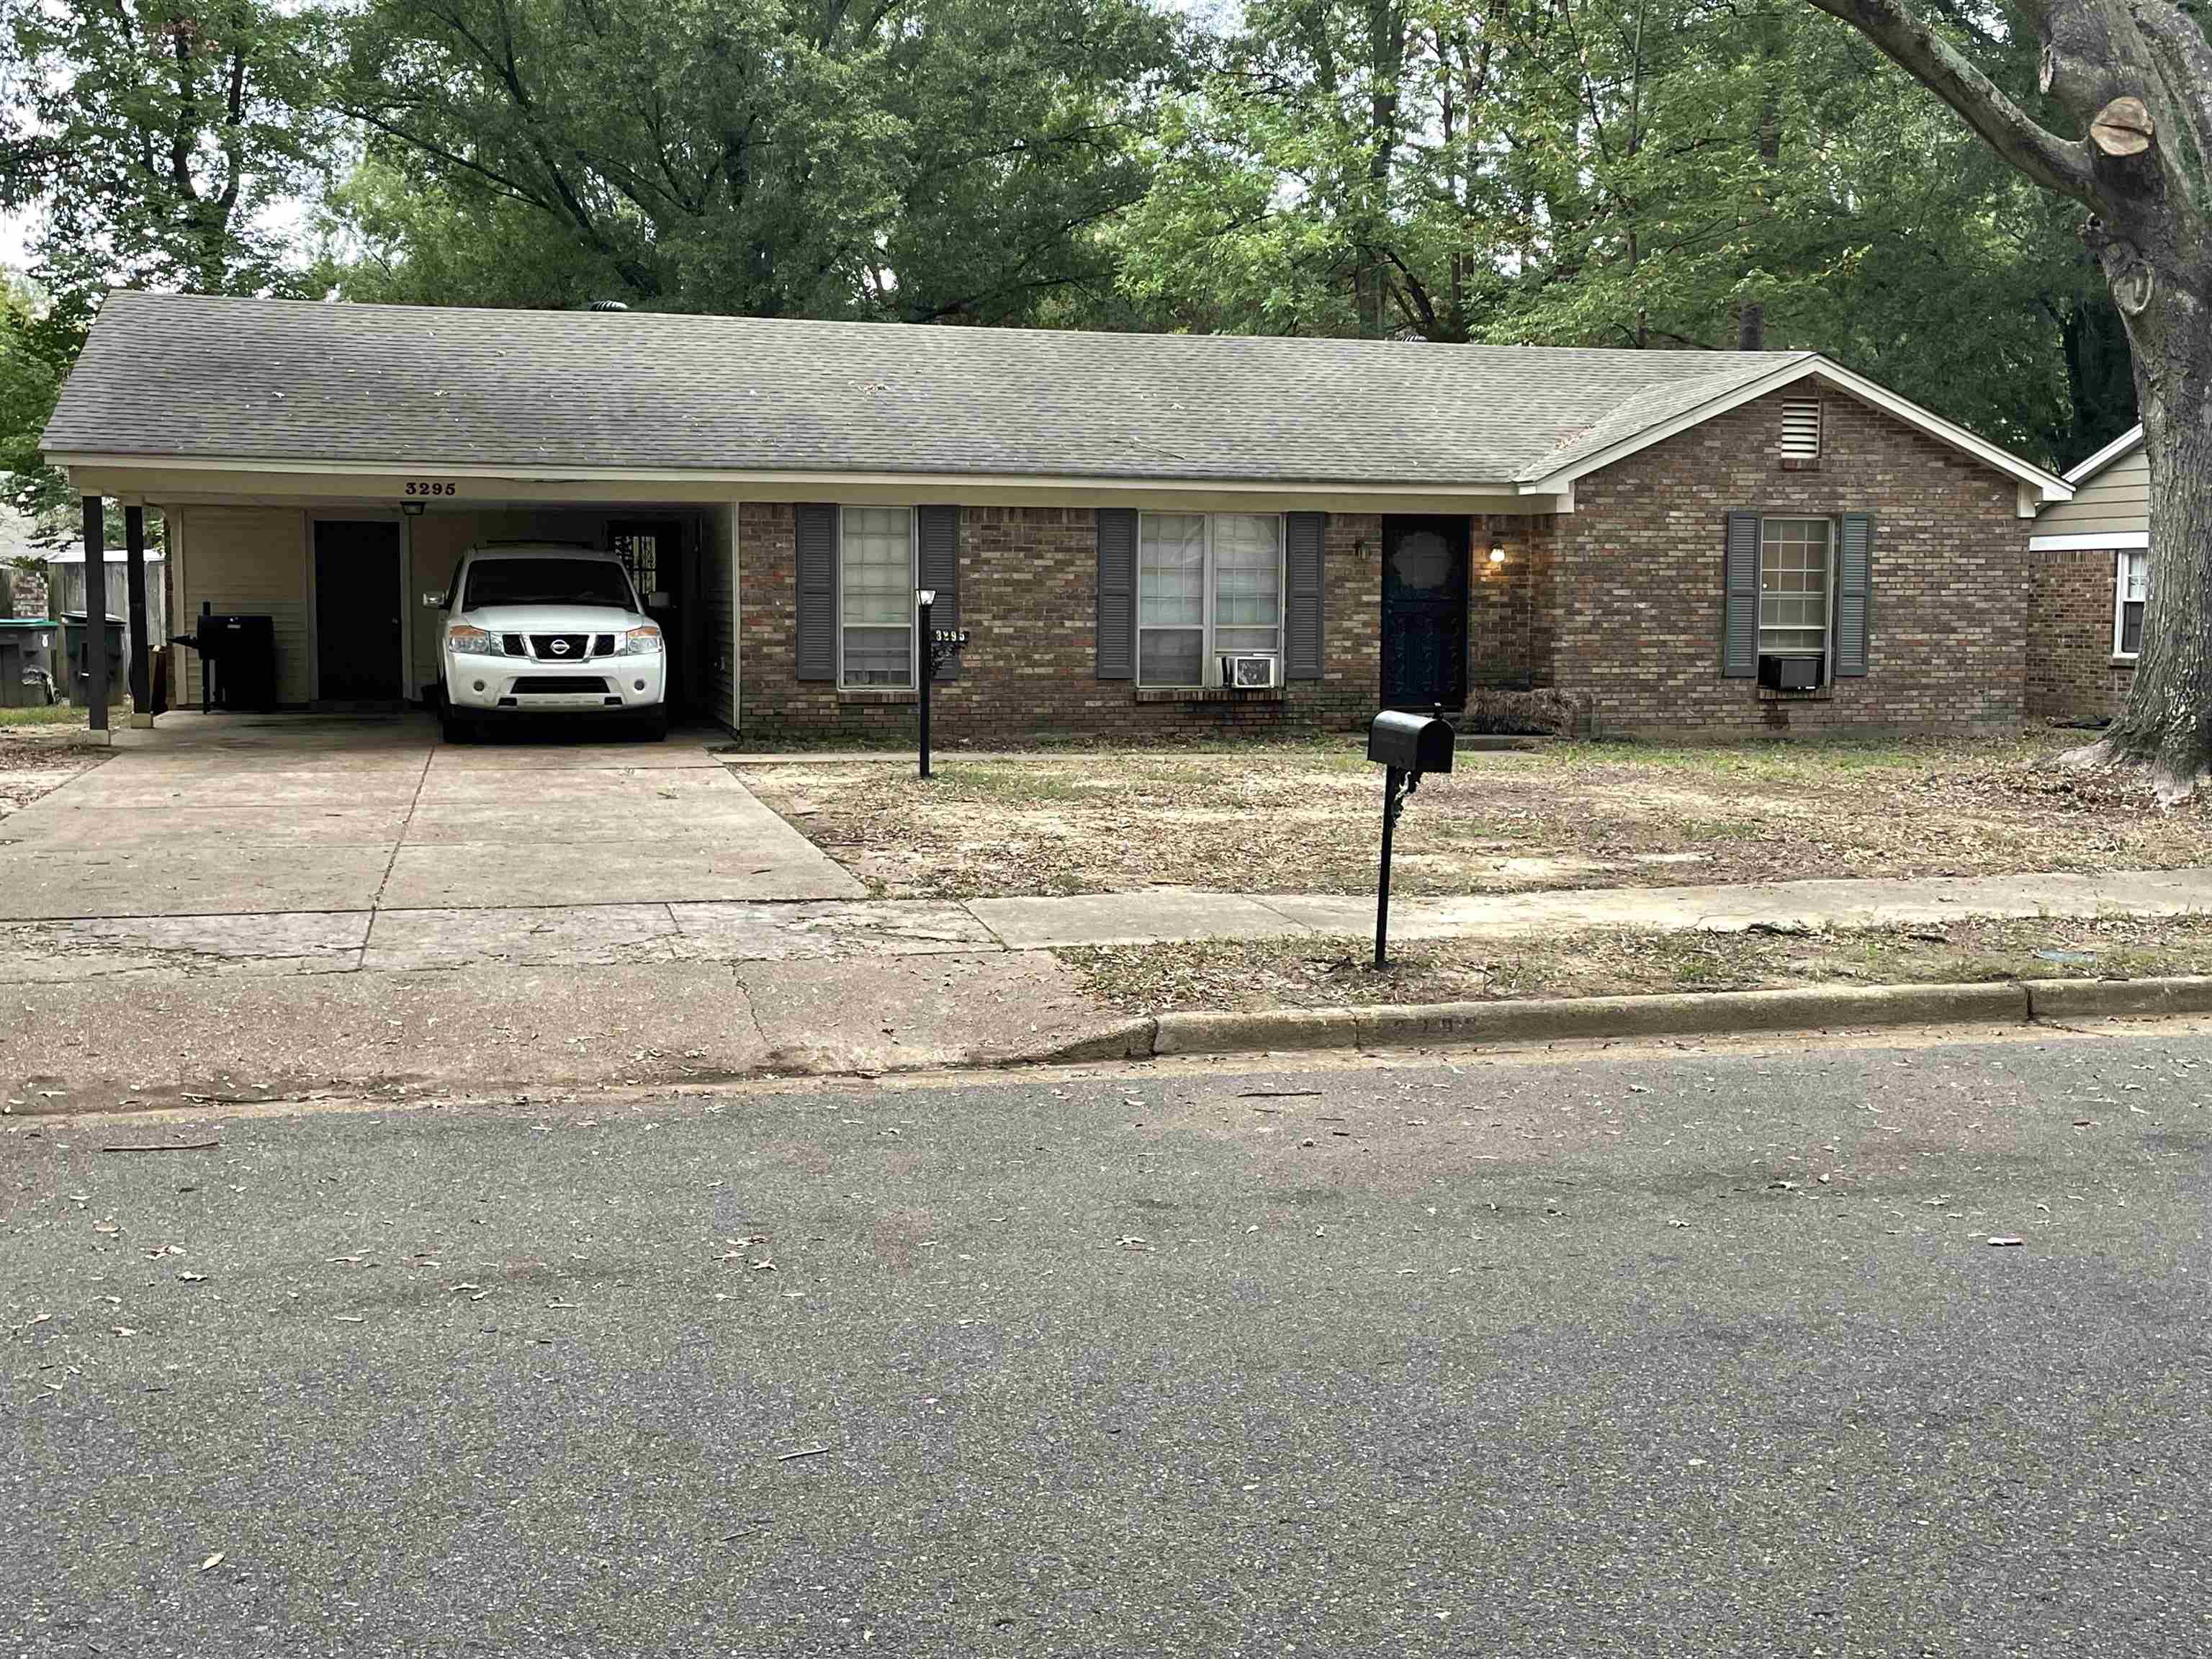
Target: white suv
point(548, 629)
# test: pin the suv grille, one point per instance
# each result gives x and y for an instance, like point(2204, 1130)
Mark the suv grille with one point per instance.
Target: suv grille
point(560, 647)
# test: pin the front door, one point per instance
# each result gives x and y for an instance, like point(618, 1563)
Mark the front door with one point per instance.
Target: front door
point(652, 549)
point(1423, 612)
point(357, 611)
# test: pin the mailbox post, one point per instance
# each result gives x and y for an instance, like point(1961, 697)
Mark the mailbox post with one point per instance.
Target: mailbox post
point(939, 646)
point(1406, 745)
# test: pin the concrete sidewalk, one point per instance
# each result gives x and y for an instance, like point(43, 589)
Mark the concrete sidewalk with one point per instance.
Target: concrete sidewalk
point(104, 1011)
point(444, 938)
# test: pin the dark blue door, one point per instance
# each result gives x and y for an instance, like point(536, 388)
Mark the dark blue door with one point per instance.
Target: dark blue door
point(1423, 612)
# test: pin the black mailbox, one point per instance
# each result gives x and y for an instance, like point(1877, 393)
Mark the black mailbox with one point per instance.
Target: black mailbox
point(1411, 743)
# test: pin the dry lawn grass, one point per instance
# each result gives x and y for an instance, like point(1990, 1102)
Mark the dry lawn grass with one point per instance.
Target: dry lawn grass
point(1304, 818)
point(1331, 973)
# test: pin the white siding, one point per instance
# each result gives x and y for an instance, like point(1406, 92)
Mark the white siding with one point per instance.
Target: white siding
point(2117, 499)
point(251, 559)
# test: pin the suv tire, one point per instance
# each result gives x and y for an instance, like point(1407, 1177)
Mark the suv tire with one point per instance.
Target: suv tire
point(453, 726)
point(654, 728)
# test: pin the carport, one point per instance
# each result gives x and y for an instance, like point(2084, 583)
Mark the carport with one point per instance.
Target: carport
point(354, 586)
point(337, 500)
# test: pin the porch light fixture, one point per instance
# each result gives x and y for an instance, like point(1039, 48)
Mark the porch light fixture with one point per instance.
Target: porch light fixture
point(1496, 555)
point(413, 509)
point(925, 596)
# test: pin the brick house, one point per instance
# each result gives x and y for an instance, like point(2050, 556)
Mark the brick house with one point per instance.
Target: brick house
point(2088, 565)
point(1141, 534)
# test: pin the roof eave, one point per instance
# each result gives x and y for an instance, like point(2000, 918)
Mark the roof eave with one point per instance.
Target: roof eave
point(2082, 471)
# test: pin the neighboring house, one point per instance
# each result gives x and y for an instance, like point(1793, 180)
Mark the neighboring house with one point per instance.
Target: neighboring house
point(1142, 535)
point(2089, 562)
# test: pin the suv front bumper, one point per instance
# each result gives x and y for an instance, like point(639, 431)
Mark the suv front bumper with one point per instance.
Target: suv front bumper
point(518, 686)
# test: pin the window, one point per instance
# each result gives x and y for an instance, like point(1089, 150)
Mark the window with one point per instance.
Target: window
point(875, 598)
point(1800, 431)
point(1793, 586)
point(2130, 587)
point(1208, 587)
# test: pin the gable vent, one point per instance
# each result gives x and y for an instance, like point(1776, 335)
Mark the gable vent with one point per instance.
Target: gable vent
point(1800, 431)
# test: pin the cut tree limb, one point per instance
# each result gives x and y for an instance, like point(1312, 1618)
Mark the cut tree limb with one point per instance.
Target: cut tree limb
point(2057, 164)
point(2122, 127)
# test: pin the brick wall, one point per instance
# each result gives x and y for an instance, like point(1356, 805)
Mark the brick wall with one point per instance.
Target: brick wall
point(1618, 602)
point(2070, 671)
point(1633, 601)
point(1509, 632)
point(1028, 582)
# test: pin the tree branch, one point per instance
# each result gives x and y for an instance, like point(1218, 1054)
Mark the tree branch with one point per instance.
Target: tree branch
point(2057, 164)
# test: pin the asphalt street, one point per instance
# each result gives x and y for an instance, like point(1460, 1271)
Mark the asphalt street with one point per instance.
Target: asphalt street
point(1652, 1353)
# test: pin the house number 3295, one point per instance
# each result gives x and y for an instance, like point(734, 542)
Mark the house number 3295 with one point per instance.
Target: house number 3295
point(430, 486)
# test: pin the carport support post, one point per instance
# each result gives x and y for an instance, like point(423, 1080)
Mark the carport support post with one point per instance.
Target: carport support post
point(134, 547)
point(95, 611)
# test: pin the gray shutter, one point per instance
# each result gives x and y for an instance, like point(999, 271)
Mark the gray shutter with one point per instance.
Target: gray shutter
point(814, 536)
point(1854, 593)
point(1739, 598)
point(1302, 608)
point(938, 566)
point(1117, 593)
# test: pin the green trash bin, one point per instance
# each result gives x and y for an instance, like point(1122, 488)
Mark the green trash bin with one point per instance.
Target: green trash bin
point(75, 631)
point(27, 662)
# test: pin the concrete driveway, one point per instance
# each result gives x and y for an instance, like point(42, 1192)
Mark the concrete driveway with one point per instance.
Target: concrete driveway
point(278, 815)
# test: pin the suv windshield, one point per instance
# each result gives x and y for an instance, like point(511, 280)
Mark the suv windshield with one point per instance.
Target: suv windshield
point(546, 581)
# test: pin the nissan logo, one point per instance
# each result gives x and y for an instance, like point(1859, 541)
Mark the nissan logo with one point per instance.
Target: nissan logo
point(560, 647)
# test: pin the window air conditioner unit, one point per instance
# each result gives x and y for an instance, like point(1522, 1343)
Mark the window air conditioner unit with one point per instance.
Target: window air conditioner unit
point(1781, 672)
point(1253, 674)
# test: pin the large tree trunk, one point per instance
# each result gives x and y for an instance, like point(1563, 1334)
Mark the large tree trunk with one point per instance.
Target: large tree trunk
point(2167, 724)
point(2134, 77)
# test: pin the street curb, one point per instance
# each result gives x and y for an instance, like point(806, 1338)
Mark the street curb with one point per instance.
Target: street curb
point(2102, 999)
point(1708, 1013)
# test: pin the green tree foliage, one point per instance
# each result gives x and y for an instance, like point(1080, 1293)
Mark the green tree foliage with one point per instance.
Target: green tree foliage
point(151, 137)
point(148, 141)
point(38, 340)
point(933, 160)
point(1643, 173)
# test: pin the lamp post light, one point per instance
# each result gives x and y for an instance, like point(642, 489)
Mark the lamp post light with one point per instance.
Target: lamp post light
point(938, 647)
point(924, 599)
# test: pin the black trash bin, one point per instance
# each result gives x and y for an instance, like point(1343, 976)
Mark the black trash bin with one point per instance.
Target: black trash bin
point(237, 660)
point(76, 630)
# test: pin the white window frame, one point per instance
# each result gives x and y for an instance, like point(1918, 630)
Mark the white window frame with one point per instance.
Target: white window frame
point(913, 605)
point(1209, 657)
point(1827, 589)
point(2120, 557)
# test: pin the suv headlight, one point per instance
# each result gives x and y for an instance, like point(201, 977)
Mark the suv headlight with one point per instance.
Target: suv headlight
point(465, 640)
point(640, 642)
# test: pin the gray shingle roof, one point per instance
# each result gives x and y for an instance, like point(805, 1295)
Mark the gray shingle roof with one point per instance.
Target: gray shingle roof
point(168, 375)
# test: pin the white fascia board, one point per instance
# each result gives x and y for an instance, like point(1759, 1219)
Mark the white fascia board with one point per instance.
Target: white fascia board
point(919, 486)
point(2081, 473)
point(2089, 540)
point(2048, 486)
